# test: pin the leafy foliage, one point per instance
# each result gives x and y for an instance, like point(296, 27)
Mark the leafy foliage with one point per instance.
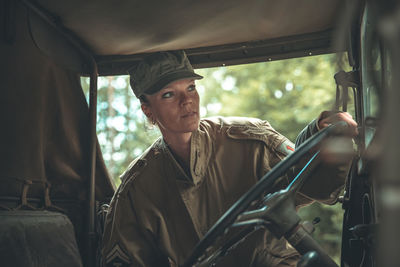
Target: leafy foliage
point(288, 93)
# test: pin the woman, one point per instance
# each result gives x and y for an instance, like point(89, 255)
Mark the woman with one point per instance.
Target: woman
point(172, 194)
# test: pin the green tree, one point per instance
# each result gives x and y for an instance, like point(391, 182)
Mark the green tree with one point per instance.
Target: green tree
point(288, 93)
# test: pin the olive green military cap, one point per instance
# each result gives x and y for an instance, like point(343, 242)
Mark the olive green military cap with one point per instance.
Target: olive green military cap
point(158, 70)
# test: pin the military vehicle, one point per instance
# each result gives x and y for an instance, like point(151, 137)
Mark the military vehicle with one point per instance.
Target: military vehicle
point(54, 181)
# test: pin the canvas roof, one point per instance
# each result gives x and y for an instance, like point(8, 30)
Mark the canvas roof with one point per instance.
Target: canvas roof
point(212, 32)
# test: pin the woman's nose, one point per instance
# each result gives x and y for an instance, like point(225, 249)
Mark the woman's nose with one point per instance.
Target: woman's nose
point(186, 98)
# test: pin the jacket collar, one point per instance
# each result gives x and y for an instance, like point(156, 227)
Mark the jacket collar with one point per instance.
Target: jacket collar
point(200, 153)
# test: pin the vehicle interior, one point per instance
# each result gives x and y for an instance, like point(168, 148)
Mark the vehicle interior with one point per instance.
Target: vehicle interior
point(54, 181)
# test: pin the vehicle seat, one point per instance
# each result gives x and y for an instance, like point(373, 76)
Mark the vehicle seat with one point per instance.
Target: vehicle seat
point(37, 239)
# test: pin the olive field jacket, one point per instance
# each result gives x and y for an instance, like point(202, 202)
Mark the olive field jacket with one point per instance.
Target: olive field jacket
point(160, 212)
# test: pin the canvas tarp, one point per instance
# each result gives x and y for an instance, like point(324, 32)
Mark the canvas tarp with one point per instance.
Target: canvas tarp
point(44, 121)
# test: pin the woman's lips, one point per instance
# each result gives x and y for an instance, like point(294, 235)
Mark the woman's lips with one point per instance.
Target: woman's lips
point(189, 114)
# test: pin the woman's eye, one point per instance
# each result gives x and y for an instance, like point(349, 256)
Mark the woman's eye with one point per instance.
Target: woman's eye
point(167, 95)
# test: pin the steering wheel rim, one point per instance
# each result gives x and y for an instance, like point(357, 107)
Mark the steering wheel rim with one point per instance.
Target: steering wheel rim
point(241, 205)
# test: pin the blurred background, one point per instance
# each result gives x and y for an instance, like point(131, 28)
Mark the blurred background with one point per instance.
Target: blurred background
point(287, 93)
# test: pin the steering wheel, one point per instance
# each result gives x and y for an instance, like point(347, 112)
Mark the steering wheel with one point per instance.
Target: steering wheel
point(266, 216)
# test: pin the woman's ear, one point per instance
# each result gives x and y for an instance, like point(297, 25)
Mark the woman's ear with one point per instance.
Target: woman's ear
point(146, 110)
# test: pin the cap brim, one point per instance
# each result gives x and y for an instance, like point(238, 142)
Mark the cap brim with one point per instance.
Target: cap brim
point(169, 78)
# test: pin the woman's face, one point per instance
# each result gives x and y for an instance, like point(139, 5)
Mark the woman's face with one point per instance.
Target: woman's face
point(175, 108)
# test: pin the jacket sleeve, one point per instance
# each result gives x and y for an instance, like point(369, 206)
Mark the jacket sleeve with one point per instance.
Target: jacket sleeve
point(327, 180)
point(307, 132)
point(125, 241)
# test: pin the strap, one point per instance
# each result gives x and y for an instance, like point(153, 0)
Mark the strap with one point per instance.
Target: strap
point(345, 80)
point(24, 203)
